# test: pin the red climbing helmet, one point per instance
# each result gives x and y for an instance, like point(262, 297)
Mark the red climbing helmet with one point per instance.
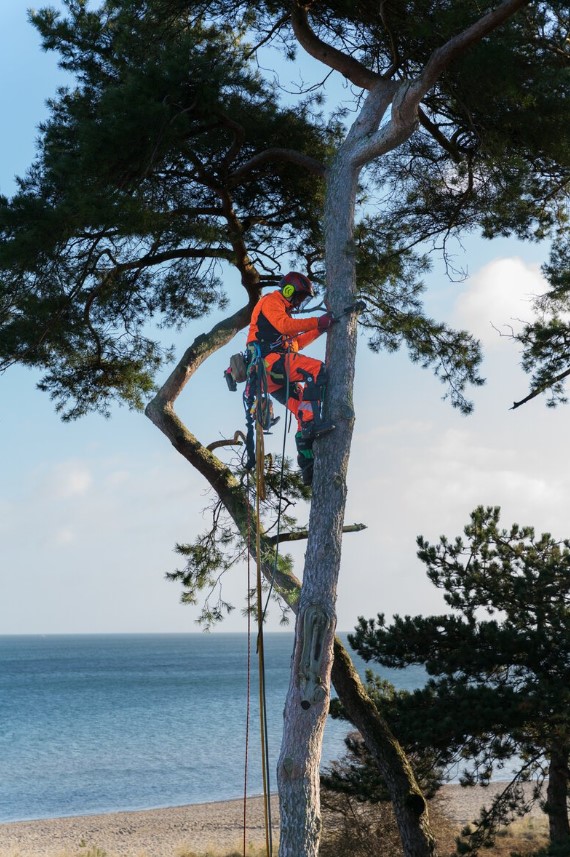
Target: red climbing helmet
point(296, 288)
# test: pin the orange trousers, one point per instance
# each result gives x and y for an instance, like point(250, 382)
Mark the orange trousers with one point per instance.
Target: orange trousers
point(283, 366)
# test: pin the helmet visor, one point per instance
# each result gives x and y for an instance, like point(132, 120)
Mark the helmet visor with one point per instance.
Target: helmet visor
point(300, 302)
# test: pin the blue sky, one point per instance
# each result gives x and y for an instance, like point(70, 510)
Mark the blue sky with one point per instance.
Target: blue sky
point(90, 511)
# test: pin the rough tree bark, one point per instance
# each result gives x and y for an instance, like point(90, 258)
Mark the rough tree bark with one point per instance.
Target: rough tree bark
point(557, 795)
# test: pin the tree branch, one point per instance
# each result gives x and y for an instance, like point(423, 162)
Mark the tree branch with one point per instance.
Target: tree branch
point(237, 440)
point(298, 535)
point(443, 56)
point(327, 54)
point(282, 20)
point(541, 389)
point(194, 356)
point(277, 154)
point(440, 138)
point(405, 104)
point(362, 712)
point(179, 253)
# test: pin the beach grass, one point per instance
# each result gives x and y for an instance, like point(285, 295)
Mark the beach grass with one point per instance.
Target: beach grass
point(524, 838)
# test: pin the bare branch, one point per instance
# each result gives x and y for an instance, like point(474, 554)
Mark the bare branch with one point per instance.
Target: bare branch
point(298, 535)
point(194, 356)
point(237, 440)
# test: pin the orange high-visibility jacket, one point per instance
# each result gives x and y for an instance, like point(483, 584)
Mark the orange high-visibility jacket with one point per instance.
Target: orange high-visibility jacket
point(273, 328)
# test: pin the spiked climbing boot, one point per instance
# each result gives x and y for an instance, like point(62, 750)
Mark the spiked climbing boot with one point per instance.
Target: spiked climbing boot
point(316, 428)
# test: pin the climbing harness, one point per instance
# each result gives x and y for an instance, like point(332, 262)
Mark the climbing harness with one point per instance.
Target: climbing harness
point(249, 366)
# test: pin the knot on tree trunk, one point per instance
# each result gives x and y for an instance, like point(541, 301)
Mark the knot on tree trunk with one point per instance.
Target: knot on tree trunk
point(416, 803)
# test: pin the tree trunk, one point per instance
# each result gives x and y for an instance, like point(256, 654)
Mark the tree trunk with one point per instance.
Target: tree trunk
point(307, 700)
point(410, 807)
point(557, 795)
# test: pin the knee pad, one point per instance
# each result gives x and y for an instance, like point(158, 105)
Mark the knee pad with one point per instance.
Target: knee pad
point(314, 390)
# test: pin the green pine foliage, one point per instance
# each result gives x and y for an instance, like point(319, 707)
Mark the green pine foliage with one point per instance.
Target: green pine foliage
point(161, 166)
point(131, 209)
point(546, 341)
point(499, 664)
point(221, 546)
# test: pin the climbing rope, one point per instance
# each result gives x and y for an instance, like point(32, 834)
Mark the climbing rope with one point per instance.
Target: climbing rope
point(248, 699)
point(261, 657)
point(279, 507)
point(261, 423)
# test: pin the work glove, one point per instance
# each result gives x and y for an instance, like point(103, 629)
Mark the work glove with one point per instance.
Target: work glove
point(325, 322)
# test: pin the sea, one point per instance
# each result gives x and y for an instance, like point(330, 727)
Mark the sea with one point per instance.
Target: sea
point(109, 722)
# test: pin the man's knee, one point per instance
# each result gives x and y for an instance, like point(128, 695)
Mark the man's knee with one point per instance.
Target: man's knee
point(315, 387)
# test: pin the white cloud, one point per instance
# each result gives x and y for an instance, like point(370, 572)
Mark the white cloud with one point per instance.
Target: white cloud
point(68, 479)
point(63, 536)
point(498, 296)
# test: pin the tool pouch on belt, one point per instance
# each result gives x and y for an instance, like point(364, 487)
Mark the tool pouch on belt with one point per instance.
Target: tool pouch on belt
point(238, 368)
point(236, 373)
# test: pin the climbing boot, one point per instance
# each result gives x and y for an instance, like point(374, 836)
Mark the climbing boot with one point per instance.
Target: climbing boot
point(316, 429)
point(305, 458)
point(306, 467)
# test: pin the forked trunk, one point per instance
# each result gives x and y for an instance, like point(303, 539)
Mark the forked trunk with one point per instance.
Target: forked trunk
point(307, 701)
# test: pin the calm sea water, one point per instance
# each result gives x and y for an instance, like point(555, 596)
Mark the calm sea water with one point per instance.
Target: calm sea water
point(99, 723)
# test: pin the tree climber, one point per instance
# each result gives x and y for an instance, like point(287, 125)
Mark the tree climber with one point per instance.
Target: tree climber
point(296, 381)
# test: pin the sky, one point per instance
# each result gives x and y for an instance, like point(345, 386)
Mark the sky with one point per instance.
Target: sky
point(90, 511)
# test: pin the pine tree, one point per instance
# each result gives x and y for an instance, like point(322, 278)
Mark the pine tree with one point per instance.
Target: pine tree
point(499, 687)
point(172, 159)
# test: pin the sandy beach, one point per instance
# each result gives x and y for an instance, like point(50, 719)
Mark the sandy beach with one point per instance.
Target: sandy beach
point(172, 832)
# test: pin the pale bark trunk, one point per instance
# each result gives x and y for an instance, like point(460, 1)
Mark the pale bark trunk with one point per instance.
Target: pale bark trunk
point(308, 697)
point(557, 795)
point(362, 712)
point(298, 768)
point(409, 805)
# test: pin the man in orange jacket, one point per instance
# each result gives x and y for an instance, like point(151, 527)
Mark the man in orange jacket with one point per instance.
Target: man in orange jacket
point(279, 338)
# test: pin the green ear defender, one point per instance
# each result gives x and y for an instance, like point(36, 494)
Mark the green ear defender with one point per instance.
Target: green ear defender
point(288, 290)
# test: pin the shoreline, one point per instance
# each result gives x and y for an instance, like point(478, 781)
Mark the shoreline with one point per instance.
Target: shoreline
point(172, 831)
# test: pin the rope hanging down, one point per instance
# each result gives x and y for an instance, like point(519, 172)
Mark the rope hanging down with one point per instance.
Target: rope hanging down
point(262, 696)
point(248, 693)
point(259, 488)
point(259, 419)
